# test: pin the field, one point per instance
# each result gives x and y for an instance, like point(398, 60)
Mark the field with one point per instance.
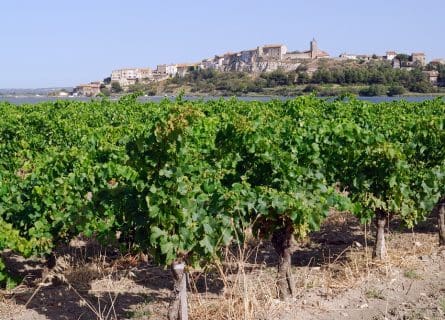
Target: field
point(293, 209)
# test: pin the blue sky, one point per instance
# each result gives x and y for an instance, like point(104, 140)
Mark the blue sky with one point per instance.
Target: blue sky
point(48, 43)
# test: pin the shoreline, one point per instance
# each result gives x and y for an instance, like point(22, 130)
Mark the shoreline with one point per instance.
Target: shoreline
point(220, 95)
point(21, 100)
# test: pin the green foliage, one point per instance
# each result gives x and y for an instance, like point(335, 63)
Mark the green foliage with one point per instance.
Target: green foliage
point(105, 91)
point(374, 90)
point(303, 77)
point(396, 90)
point(182, 179)
point(137, 87)
point(277, 78)
point(423, 86)
point(116, 87)
point(374, 73)
point(403, 57)
point(311, 88)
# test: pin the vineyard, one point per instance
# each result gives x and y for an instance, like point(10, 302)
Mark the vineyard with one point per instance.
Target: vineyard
point(183, 180)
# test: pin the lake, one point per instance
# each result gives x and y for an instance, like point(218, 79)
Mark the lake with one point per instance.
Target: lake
point(34, 99)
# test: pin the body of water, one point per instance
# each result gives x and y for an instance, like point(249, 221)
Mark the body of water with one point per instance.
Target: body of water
point(39, 99)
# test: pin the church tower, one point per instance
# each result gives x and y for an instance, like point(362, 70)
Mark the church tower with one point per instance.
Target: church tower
point(314, 49)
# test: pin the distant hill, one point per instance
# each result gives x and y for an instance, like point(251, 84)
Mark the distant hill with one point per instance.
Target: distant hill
point(33, 91)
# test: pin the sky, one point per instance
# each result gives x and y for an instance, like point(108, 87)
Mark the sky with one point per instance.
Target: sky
point(54, 43)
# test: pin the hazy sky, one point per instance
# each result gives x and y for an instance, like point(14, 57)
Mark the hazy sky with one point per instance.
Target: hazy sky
point(48, 43)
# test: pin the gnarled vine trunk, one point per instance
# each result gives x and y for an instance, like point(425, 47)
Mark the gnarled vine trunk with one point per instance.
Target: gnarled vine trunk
point(380, 246)
point(282, 242)
point(440, 207)
point(178, 307)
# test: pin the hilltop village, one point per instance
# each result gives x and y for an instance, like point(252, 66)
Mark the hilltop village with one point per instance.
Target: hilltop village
point(259, 61)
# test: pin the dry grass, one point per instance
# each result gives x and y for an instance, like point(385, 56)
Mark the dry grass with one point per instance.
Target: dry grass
point(251, 293)
point(78, 272)
point(243, 284)
point(249, 290)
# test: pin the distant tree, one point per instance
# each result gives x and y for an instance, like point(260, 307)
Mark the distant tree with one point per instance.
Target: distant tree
point(311, 88)
point(152, 89)
point(303, 78)
point(176, 79)
point(441, 69)
point(374, 90)
point(396, 90)
point(417, 76)
point(116, 87)
point(422, 87)
point(377, 77)
point(403, 57)
point(322, 75)
point(137, 87)
point(208, 74)
point(260, 83)
point(105, 91)
point(338, 76)
point(277, 78)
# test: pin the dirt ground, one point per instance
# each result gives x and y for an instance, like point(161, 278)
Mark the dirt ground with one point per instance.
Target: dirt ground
point(335, 277)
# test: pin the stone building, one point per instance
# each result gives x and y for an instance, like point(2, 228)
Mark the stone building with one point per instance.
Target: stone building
point(390, 55)
point(184, 68)
point(249, 56)
point(169, 69)
point(418, 57)
point(209, 64)
point(438, 61)
point(89, 90)
point(313, 53)
point(433, 76)
point(145, 74)
point(264, 58)
point(219, 61)
point(129, 76)
point(348, 56)
point(272, 51)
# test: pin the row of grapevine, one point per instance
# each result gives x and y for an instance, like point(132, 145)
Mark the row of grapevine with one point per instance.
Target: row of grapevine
point(182, 179)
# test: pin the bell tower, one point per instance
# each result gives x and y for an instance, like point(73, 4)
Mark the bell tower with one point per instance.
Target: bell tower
point(314, 48)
